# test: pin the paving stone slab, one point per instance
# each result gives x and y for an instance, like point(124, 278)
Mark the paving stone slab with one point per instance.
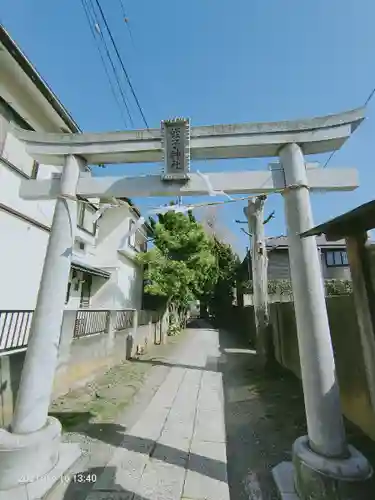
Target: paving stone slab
point(161, 481)
point(198, 486)
point(209, 426)
point(209, 449)
point(150, 425)
point(124, 471)
point(210, 401)
point(170, 455)
point(209, 460)
point(175, 441)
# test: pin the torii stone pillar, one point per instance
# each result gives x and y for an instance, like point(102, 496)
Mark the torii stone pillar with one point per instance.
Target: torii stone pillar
point(325, 466)
point(31, 455)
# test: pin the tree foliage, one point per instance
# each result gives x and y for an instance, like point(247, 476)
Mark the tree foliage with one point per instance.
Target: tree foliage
point(284, 287)
point(181, 266)
point(221, 295)
point(187, 264)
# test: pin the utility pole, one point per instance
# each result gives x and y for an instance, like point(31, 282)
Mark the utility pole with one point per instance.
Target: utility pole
point(259, 262)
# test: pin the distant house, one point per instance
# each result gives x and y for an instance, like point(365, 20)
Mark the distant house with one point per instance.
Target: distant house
point(334, 259)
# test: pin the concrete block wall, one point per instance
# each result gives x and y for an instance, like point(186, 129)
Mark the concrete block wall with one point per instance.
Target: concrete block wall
point(10, 373)
point(88, 356)
point(350, 364)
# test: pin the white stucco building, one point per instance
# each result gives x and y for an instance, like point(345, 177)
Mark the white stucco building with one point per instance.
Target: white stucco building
point(101, 276)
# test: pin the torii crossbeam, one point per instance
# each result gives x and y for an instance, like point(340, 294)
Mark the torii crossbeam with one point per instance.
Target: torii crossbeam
point(215, 142)
point(319, 179)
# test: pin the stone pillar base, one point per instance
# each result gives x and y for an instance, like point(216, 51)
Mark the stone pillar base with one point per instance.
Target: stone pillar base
point(30, 464)
point(313, 477)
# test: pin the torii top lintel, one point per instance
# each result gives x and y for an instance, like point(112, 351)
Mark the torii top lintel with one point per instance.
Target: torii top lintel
point(246, 140)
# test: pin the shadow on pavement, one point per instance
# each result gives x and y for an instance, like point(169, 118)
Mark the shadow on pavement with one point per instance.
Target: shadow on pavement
point(115, 435)
point(157, 362)
point(83, 484)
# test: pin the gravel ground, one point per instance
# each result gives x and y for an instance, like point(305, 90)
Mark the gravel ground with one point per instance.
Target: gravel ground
point(264, 415)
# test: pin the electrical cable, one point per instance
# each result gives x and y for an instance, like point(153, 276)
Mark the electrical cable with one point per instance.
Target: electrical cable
point(371, 95)
point(122, 63)
point(126, 20)
point(121, 90)
point(85, 7)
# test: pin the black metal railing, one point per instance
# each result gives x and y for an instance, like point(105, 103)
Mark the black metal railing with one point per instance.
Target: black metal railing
point(124, 319)
point(14, 329)
point(15, 325)
point(90, 323)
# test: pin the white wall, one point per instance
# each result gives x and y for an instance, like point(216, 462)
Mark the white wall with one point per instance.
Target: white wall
point(22, 252)
point(23, 245)
point(126, 288)
point(10, 181)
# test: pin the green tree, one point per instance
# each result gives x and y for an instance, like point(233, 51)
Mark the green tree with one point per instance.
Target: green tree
point(220, 297)
point(181, 266)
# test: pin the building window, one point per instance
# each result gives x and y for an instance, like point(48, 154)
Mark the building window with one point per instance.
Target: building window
point(12, 116)
point(86, 218)
point(68, 293)
point(336, 258)
point(86, 291)
point(131, 239)
point(73, 275)
point(34, 170)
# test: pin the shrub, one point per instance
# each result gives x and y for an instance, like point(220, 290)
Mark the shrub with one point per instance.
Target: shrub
point(284, 287)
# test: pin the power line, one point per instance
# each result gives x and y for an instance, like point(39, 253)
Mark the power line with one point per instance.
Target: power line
point(126, 20)
point(122, 63)
point(370, 97)
point(85, 7)
point(114, 69)
point(330, 157)
point(98, 30)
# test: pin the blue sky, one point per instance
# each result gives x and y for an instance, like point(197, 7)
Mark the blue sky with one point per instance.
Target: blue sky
point(216, 62)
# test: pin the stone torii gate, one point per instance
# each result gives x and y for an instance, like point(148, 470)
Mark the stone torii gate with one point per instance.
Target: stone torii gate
point(324, 463)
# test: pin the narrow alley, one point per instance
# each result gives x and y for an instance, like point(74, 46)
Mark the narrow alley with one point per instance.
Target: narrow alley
point(206, 424)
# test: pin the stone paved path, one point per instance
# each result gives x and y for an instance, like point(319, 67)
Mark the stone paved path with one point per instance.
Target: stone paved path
point(177, 448)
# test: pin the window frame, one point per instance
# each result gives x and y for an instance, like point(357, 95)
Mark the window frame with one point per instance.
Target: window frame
point(68, 290)
point(343, 260)
point(11, 115)
point(34, 170)
point(85, 302)
point(82, 207)
point(131, 238)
